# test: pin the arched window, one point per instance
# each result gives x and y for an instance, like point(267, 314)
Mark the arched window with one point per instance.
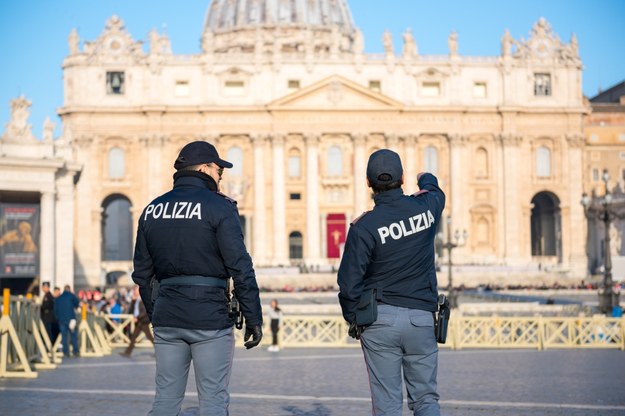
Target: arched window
point(481, 163)
point(335, 161)
point(295, 164)
point(543, 162)
point(430, 160)
point(116, 229)
point(117, 163)
point(235, 156)
point(296, 245)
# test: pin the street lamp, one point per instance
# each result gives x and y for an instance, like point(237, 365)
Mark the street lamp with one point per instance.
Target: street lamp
point(602, 209)
point(458, 241)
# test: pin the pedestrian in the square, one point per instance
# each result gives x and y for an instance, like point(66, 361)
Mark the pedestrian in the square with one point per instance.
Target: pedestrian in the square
point(388, 265)
point(275, 317)
point(47, 313)
point(65, 311)
point(142, 322)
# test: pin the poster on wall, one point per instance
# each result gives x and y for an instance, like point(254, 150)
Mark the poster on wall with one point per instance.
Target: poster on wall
point(19, 240)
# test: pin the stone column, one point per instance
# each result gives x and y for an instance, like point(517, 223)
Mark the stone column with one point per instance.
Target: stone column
point(572, 242)
point(47, 247)
point(511, 208)
point(280, 255)
point(410, 172)
point(360, 174)
point(312, 199)
point(456, 172)
point(392, 142)
point(155, 165)
point(259, 230)
point(64, 213)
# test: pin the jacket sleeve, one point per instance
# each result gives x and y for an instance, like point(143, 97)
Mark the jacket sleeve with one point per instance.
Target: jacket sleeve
point(239, 265)
point(358, 247)
point(143, 269)
point(434, 195)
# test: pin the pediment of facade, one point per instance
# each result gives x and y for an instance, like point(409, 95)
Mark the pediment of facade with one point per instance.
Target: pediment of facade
point(335, 93)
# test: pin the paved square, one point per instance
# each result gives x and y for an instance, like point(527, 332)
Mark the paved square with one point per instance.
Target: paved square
point(333, 382)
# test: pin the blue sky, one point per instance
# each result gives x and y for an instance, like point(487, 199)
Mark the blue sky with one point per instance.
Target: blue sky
point(33, 35)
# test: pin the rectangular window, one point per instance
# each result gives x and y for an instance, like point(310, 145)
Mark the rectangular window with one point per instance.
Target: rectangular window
point(293, 85)
point(479, 90)
point(234, 87)
point(182, 89)
point(595, 175)
point(295, 196)
point(375, 85)
point(431, 89)
point(542, 84)
point(115, 83)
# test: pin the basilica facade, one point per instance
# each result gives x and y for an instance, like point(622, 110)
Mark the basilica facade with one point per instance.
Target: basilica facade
point(286, 92)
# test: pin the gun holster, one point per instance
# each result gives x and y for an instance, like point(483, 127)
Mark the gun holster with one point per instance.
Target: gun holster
point(367, 309)
point(234, 308)
point(442, 322)
point(155, 285)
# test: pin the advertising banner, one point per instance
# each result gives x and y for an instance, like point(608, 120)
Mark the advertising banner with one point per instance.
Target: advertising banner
point(19, 240)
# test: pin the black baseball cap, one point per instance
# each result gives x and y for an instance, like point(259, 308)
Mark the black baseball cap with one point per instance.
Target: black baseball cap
point(197, 153)
point(384, 167)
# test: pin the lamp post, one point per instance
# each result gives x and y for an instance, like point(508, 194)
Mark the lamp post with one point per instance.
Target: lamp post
point(601, 209)
point(459, 240)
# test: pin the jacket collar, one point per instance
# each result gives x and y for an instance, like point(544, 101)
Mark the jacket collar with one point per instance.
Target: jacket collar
point(194, 178)
point(388, 197)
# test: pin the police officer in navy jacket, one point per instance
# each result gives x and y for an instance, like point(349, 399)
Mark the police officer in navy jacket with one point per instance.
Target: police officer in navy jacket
point(391, 249)
point(190, 240)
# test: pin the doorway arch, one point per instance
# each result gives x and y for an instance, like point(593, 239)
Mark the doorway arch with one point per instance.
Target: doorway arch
point(546, 229)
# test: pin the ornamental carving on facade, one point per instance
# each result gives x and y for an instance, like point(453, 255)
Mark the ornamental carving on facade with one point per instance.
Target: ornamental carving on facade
point(18, 128)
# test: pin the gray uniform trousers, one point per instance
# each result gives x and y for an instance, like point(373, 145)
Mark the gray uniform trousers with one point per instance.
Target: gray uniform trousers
point(211, 352)
point(402, 338)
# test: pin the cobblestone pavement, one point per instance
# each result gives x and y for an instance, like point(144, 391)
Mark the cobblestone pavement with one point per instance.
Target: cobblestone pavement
point(333, 382)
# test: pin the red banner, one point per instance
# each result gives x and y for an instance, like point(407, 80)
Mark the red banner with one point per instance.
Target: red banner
point(335, 230)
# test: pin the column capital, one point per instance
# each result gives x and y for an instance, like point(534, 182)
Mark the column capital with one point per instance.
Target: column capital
point(510, 139)
point(278, 139)
point(258, 139)
point(575, 140)
point(392, 140)
point(455, 139)
point(410, 138)
point(359, 139)
point(312, 138)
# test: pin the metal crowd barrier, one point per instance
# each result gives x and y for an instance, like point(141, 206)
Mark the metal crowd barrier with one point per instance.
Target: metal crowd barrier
point(25, 346)
point(24, 342)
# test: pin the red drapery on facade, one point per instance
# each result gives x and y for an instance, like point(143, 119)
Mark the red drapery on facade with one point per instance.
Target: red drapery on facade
point(335, 229)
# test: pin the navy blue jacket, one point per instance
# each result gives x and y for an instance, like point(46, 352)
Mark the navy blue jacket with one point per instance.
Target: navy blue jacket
point(65, 307)
point(391, 248)
point(194, 230)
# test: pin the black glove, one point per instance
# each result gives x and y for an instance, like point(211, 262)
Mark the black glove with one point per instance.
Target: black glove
point(354, 330)
point(256, 332)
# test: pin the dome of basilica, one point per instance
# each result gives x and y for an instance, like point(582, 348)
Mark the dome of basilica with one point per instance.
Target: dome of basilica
point(234, 25)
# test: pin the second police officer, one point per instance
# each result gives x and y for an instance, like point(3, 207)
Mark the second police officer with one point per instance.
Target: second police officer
point(190, 240)
point(391, 250)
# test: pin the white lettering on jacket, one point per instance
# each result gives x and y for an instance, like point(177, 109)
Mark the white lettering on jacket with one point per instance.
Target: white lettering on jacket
point(177, 210)
point(404, 228)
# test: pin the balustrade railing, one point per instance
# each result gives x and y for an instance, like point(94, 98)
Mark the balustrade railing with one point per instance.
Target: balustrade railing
point(25, 346)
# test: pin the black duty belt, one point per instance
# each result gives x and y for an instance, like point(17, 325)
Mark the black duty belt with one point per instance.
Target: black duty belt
point(194, 280)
